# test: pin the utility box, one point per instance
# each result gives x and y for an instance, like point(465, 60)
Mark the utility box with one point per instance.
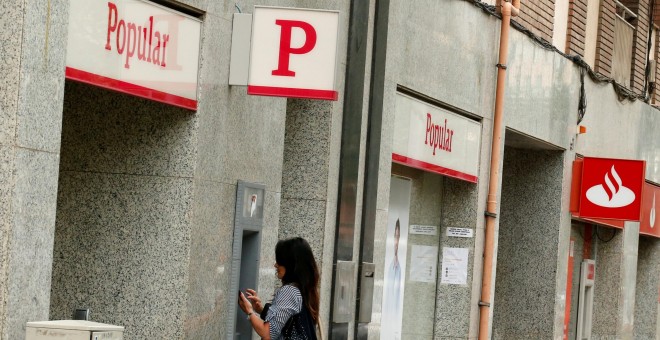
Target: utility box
point(72, 330)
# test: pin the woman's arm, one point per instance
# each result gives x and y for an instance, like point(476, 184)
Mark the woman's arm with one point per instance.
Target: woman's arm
point(262, 328)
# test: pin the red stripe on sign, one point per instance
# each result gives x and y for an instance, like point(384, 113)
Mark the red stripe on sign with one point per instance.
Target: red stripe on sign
point(292, 92)
point(396, 158)
point(128, 88)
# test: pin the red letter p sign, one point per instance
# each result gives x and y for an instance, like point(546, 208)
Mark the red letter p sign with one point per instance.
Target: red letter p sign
point(285, 44)
point(293, 53)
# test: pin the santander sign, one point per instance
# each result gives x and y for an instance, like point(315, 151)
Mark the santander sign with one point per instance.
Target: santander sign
point(612, 193)
point(611, 188)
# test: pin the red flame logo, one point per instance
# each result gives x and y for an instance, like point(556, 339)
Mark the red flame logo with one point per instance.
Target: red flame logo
point(612, 183)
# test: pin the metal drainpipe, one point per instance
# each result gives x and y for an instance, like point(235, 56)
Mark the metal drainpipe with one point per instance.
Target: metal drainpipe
point(507, 10)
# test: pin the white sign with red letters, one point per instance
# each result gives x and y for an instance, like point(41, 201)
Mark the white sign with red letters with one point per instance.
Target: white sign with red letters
point(293, 53)
point(436, 140)
point(134, 47)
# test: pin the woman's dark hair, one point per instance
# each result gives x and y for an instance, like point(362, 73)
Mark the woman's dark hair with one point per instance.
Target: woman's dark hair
point(296, 256)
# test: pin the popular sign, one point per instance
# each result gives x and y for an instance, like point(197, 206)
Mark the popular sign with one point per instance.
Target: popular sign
point(293, 53)
point(611, 188)
point(135, 47)
point(433, 139)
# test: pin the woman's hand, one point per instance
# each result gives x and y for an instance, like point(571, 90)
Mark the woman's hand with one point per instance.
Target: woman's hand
point(244, 303)
point(255, 301)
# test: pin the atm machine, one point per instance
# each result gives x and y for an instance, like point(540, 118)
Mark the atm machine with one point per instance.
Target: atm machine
point(248, 224)
point(586, 300)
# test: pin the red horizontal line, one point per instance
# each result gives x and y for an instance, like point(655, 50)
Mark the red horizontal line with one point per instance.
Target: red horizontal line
point(292, 92)
point(128, 88)
point(396, 158)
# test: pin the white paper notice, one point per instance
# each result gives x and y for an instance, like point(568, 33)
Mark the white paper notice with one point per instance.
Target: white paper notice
point(423, 264)
point(454, 265)
point(459, 232)
point(424, 229)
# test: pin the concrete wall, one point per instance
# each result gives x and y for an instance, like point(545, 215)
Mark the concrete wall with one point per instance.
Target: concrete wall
point(31, 94)
point(620, 129)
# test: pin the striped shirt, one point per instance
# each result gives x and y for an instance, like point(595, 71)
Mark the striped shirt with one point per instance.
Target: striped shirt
point(286, 303)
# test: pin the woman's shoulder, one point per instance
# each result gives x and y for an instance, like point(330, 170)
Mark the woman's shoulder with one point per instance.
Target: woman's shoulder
point(289, 290)
point(289, 293)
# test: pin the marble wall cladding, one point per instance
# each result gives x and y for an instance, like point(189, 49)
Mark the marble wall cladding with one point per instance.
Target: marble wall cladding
point(105, 131)
point(608, 252)
point(309, 185)
point(565, 247)
point(29, 242)
point(6, 189)
point(208, 301)
point(210, 259)
point(11, 20)
point(230, 123)
point(528, 241)
point(380, 233)
point(425, 209)
point(39, 114)
point(578, 239)
point(387, 139)
point(453, 302)
point(306, 219)
point(268, 280)
point(628, 280)
point(30, 123)
point(121, 249)
point(306, 149)
point(646, 294)
point(442, 202)
point(124, 210)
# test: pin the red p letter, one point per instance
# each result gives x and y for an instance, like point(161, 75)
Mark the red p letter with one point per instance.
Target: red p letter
point(111, 26)
point(285, 44)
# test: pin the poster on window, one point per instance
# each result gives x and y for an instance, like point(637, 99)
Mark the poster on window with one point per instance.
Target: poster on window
point(395, 258)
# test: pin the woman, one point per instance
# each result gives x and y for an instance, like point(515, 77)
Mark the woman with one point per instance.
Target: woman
point(294, 311)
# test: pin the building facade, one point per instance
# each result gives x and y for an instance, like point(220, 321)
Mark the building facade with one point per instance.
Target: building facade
point(130, 207)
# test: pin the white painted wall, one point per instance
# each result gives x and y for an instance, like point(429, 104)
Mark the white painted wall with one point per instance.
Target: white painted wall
point(591, 32)
point(560, 24)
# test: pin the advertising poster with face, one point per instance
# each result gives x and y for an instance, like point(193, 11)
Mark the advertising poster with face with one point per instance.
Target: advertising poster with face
point(395, 258)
